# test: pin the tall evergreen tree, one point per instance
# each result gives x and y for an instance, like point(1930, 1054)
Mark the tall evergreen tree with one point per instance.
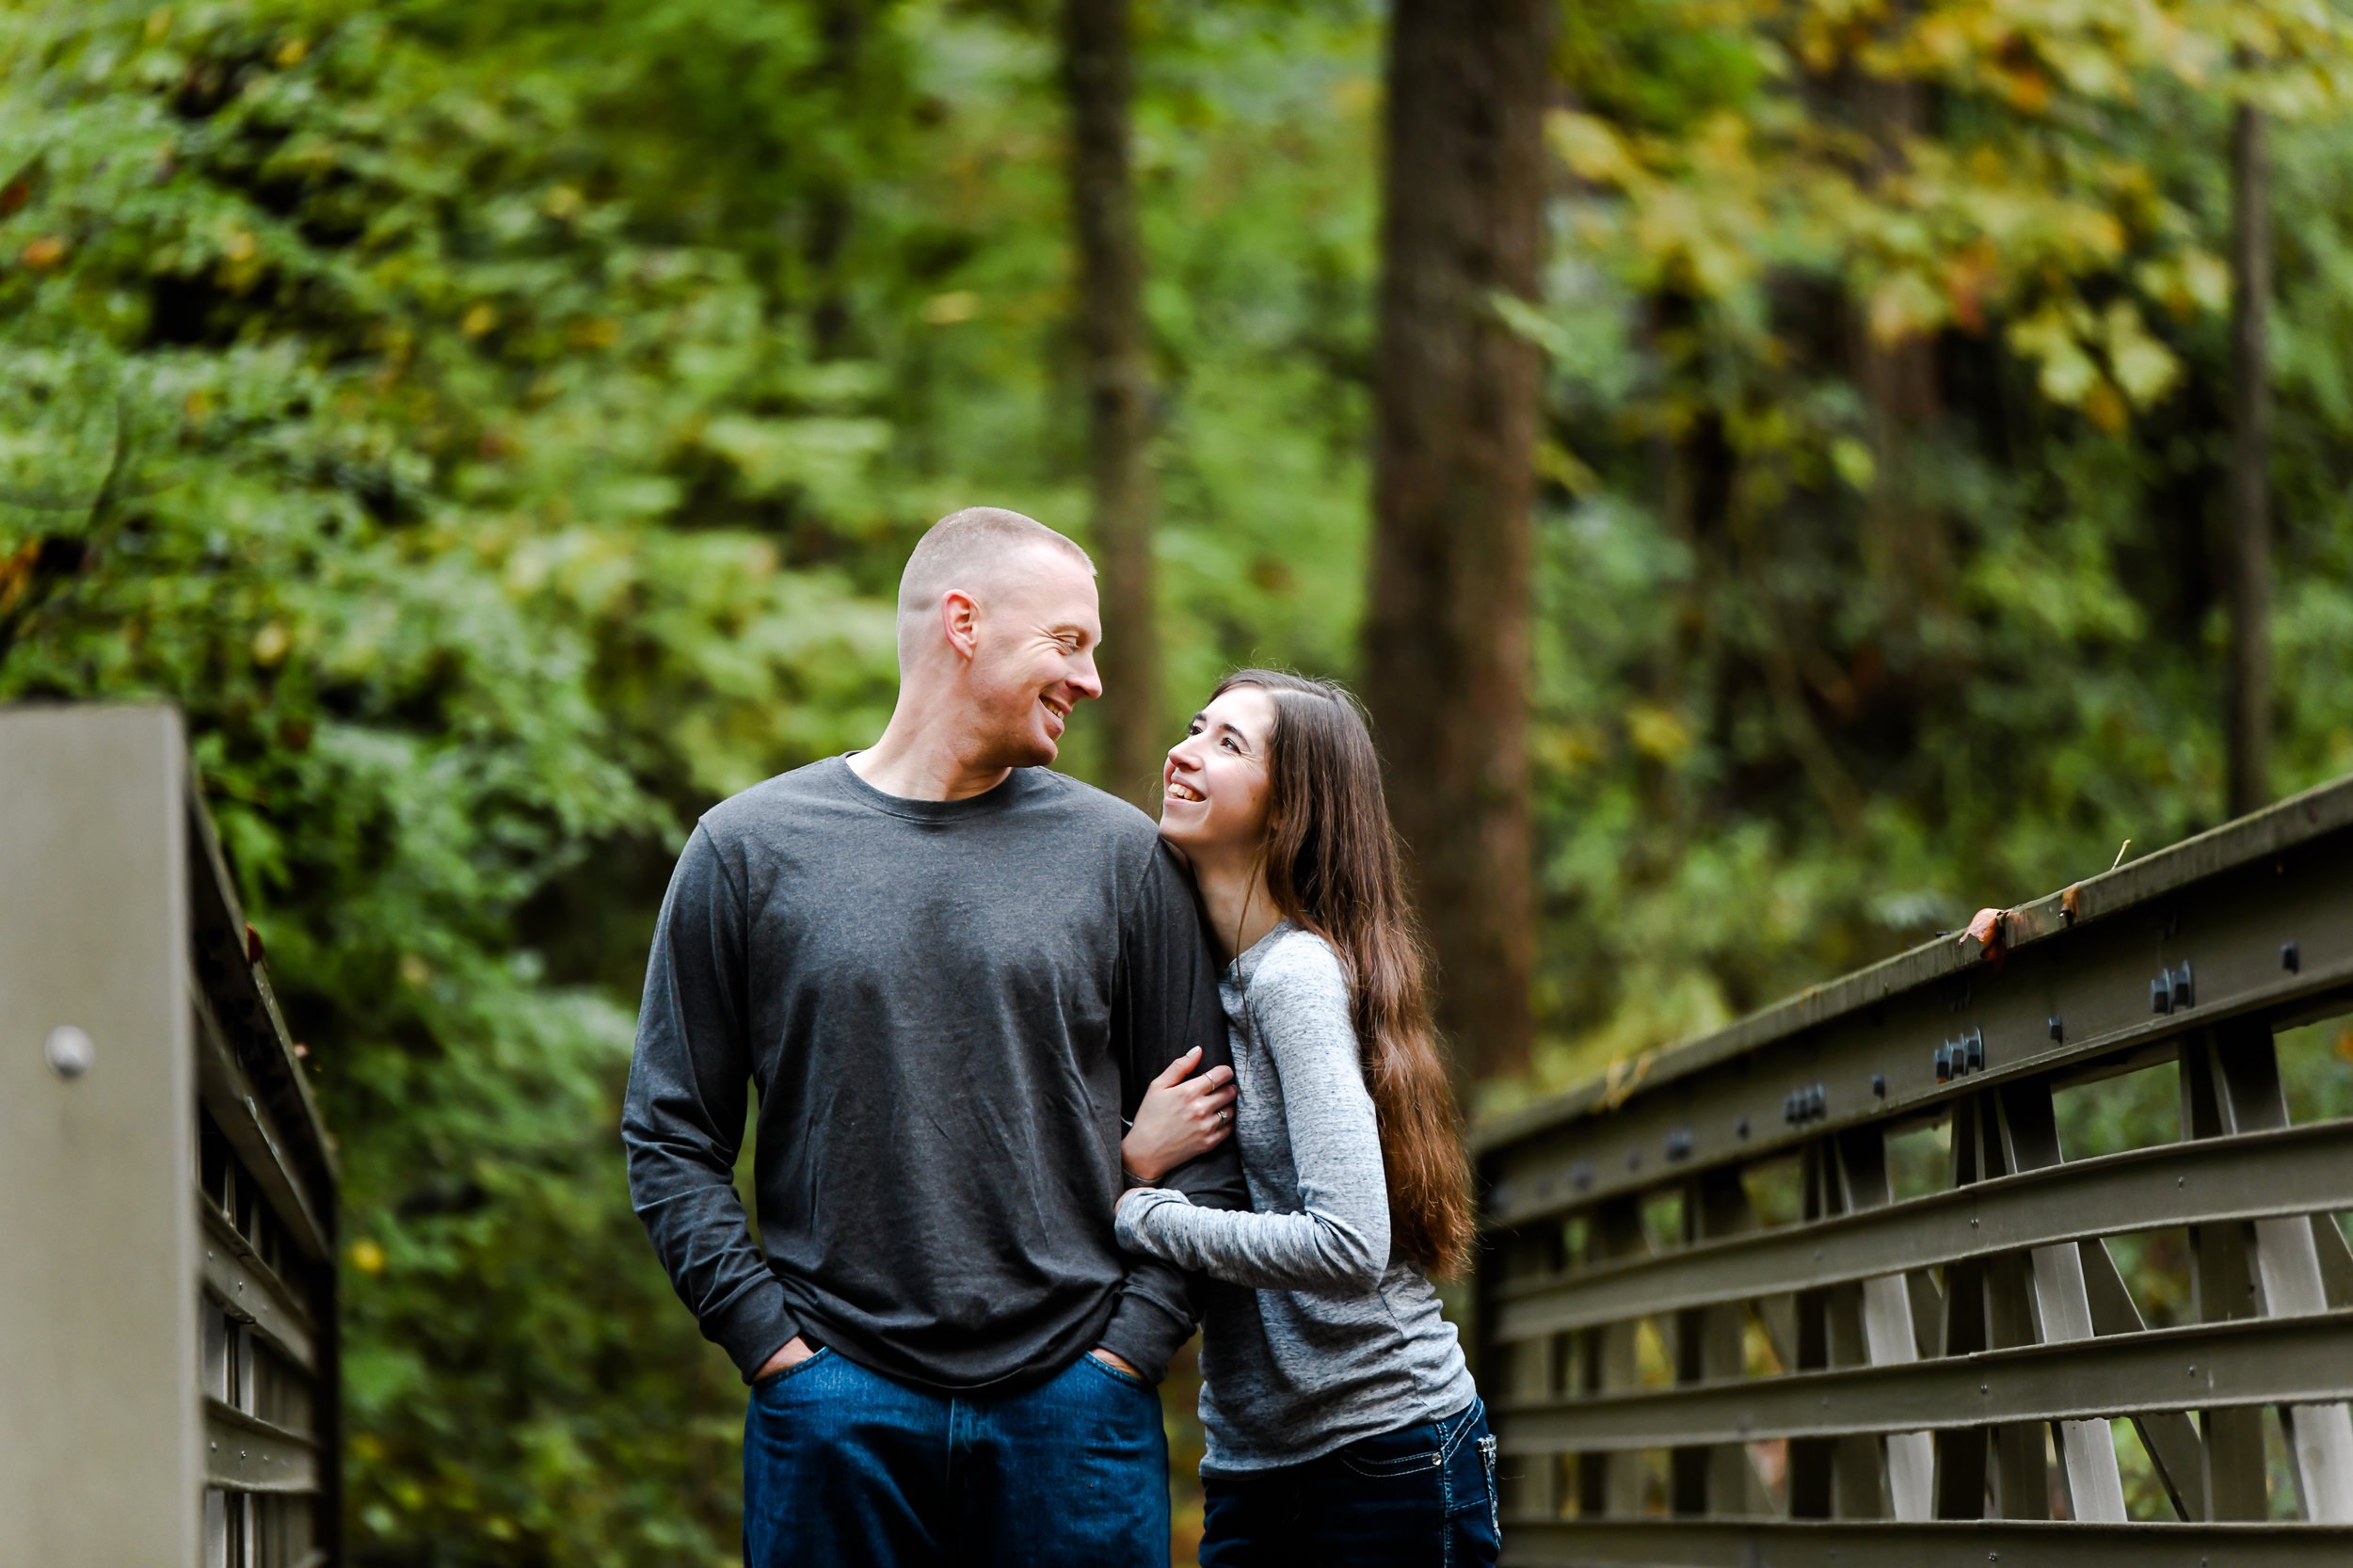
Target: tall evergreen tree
point(1098, 80)
point(2248, 539)
point(1446, 639)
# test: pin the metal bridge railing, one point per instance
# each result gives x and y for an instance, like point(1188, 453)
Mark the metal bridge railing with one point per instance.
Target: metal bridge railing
point(1826, 1288)
point(168, 1387)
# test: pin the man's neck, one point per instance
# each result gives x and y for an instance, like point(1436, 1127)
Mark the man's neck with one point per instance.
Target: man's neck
point(1239, 908)
point(917, 762)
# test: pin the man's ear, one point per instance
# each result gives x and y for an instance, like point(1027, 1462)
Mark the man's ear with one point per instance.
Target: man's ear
point(960, 619)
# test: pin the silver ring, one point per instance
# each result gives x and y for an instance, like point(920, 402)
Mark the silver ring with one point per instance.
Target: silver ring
point(1224, 1116)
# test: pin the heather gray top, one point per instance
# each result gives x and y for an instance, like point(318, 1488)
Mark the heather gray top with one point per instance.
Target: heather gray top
point(1313, 1336)
point(946, 1007)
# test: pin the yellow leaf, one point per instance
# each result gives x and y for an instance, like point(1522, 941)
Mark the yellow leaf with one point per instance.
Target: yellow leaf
point(1591, 147)
point(2105, 407)
point(2207, 277)
point(1659, 732)
point(292, 53)
point(367, 1257)
point(46, 251)
point(1854, 461)
point(2143, 367)
point(479, 319)
point(946, 310)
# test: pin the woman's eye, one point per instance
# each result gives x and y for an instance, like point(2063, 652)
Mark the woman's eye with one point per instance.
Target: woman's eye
point(1229, 743)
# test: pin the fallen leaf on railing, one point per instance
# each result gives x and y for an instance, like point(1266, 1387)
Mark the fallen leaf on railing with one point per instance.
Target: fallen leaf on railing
point(1986, 926)
point(1620, 1081)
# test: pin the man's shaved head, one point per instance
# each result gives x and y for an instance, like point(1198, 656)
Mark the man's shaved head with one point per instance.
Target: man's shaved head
point(998, 626)
point(966, 549)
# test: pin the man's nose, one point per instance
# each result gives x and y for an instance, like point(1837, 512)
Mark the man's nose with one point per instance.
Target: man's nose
point(1085, 678)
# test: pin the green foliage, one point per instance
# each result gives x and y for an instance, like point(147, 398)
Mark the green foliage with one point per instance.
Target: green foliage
point(500, 428)
point(1889, 423)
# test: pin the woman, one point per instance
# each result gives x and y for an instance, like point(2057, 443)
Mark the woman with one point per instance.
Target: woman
point(1344, 1425)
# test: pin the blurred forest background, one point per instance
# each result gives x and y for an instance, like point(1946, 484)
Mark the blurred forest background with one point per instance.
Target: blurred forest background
point(1799, 474)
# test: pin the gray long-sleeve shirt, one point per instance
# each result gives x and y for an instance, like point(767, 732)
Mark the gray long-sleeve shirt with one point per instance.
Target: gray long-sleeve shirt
point(946, 1008)
point(1313, 1336)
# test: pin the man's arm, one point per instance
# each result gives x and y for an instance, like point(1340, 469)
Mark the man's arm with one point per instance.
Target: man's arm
point(682, 1123)
point(1167, 1004)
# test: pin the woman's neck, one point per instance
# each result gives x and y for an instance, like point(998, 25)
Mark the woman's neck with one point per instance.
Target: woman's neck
point(1240, 910)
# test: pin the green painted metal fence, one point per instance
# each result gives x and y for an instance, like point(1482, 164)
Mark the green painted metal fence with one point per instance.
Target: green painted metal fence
point(2028, 1252)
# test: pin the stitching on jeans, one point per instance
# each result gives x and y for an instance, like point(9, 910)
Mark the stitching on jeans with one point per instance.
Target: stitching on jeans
point(1494, 1503)
point(1446, 1514)
point(1127, 1380)
point(1404, 1464)
point(1449, 1441)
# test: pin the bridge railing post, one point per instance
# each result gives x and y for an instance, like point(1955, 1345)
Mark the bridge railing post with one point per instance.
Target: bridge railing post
point(166, 1299)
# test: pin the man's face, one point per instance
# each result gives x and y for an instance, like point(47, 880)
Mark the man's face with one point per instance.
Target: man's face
point(1033, 656)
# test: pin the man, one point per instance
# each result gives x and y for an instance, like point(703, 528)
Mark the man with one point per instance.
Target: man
point(950, 972)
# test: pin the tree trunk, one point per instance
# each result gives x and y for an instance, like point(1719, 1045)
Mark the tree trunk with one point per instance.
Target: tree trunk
point(841, 25)
point(2249, 542)
point(1446, 625)
point(1117, 358)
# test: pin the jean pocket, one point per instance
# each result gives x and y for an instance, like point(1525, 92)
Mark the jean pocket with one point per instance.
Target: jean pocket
point(1407, 1451)
point(1129, 1379)
point(811, 1359)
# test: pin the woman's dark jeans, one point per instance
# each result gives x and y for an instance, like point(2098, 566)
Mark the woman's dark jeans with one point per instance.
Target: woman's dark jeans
point(1423, 1496)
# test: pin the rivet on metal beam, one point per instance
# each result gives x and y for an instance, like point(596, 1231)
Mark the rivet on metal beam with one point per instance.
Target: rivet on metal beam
point(1878, 1085)
point(2161, 994)
point(2184, 993)
point(2290, 959)
point(2059, 1031)
point(68, 1050)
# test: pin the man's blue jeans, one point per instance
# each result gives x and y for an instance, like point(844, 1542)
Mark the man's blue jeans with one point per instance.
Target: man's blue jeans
point(1420, 1496)
point(844, 1468)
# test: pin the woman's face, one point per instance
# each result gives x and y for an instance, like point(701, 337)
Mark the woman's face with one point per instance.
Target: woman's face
point(1213, 788)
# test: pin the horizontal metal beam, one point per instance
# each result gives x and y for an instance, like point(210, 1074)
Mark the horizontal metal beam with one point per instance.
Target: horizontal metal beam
point(2264, 937)
point(239, 984)
point(2305, 1360)
point(251, 1289)
point(1945, 1543)
point(224, 1090)
point(2298, 1170)
point(245, 1453)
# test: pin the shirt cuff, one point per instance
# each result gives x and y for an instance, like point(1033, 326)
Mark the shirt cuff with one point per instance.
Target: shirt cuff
point(1145, 1334)
point(753, 1327)
point(1127, 1222)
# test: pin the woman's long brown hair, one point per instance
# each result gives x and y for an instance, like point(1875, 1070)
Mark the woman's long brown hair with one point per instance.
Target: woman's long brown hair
point(1333, 866)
